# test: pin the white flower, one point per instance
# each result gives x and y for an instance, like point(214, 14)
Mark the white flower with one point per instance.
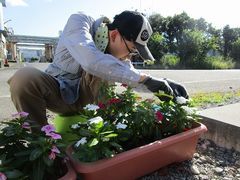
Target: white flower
point(120, 114)
point(81, 141)
point(75, 126)
point(181, 100)
point(121, 126)
point(91, 107)
point(95, 120)
point(188, 109)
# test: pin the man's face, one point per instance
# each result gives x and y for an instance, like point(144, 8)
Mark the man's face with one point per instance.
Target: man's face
point(119, 47)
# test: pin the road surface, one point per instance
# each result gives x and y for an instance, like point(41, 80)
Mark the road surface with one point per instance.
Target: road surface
point(195, 81)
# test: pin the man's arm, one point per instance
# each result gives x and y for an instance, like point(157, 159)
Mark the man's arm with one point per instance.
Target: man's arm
point(78, 40)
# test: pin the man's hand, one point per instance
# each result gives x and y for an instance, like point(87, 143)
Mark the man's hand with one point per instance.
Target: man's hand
point(178, 89)
point(156, 85)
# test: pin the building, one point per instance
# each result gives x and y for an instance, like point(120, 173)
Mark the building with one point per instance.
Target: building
point(3, 52)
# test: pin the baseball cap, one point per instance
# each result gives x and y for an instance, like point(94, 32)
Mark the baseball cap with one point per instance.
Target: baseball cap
point(134, 27)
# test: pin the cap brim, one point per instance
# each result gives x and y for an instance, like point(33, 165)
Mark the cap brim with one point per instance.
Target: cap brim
point(144, 52)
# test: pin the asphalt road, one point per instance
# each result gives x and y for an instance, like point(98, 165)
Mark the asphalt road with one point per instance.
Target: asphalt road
point(195, 81)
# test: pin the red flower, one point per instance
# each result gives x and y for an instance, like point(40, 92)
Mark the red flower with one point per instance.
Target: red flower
point(159, 116)
point(101, 105)
point(124, 85)
point(114, 101)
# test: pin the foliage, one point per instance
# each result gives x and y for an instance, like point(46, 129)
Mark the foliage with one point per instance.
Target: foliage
point(170, 61)
point(122, 121)
point(219, 42)
point(29, 155)
point(214, 98)
point(157, 46)
point(235, 53)
point(218, 62)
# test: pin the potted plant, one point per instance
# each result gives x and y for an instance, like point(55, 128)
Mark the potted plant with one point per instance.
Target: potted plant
point(126, 137)
point(26, 153)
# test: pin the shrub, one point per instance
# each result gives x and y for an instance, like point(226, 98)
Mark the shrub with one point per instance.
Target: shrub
point(219, 62)
point(170, 61)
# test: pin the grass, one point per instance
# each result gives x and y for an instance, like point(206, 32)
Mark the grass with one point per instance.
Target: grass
point(203, 100)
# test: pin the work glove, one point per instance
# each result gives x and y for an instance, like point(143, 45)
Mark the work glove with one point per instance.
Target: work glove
point(178, 89)
point(156, 85)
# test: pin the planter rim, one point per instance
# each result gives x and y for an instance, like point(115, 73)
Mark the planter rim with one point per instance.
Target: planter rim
point(71, 174)
point(103, 163)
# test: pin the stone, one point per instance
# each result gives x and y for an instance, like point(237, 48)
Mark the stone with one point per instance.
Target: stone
point(194, 170)
point(218, 170)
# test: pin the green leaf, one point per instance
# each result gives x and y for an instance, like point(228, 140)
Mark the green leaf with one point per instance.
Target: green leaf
point(47, 161)
point(106, 132)
point(36, 153)
point(111, 135)
point(14, 174)
point(94, 142)
point(23, 153)
point(38, 170)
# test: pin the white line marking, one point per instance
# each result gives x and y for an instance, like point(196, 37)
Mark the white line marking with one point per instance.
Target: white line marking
point(189, 82)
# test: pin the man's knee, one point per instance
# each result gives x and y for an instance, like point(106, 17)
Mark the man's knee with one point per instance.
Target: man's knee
point(23, 80)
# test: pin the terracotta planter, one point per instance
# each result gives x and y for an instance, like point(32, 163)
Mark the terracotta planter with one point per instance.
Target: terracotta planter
point(71, 174)
point(140, 161)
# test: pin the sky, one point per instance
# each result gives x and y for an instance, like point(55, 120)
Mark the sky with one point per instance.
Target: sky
point(48, 17)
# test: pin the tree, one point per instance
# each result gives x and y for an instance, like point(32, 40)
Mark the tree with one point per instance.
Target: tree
point(229, 36)
point(235, 53)
point(157, 46)
point(193, 49)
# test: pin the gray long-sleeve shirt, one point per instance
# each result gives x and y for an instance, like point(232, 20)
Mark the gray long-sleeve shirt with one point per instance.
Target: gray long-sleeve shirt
point(76, 51)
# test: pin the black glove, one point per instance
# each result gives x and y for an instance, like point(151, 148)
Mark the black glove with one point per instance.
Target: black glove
point(156, 85)
point(178, 89)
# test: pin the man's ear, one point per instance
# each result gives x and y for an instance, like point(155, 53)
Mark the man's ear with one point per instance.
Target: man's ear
point(113, 34)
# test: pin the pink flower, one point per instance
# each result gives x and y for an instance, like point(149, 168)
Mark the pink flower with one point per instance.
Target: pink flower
point(159, 116)
point(52, 155)
point(54, 135)
point(26, 125)
point(48, 128)
point(2, 176)
point(20, 114)
point(55, 149)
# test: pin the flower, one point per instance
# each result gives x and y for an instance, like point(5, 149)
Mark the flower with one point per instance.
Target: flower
point(187, 109)
point(81, 141)
point(54, 135)
point(19, 144)
point(55, 149)
point(48, 128)
point(20, 114)
point(91, 107)
point(121, 126)
point(124, 121)
point(75, 126)
point(124, 85)
point(2, 176)
point(159, 116)
point(101, 105)
point(95, 120)
point(114, 101)
point(52, 155)
point(26, 125)
point(181, 100)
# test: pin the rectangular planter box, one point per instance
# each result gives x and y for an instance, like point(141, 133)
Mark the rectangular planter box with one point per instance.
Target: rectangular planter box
point(140, 161)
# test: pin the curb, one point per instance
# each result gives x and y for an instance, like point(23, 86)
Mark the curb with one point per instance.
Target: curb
point(223, 134)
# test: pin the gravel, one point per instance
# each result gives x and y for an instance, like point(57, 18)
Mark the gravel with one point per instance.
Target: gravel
point(209, 162)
